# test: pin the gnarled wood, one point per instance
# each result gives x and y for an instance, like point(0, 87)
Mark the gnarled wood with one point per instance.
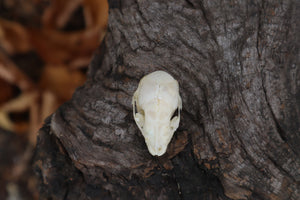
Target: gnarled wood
point(237, 64)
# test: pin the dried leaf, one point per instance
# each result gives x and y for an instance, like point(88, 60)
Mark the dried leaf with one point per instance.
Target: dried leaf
point(49, 105)
point(61, 80)
point(56, 46)
point(21, 103)
point(63, 52)
point(13, 37)
point(12, 74)
point(5, 122)
point(59, 12)
point(96, 13)
point(62, 48)
point(6, 91)
point(35, 122)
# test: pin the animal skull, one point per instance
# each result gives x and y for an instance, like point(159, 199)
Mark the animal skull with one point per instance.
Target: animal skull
point(156, 99)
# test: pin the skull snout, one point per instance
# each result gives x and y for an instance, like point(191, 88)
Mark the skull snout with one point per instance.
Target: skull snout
point(157, 151)
point(158, 147)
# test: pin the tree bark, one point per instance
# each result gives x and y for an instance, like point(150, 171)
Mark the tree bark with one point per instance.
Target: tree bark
point(237, 64)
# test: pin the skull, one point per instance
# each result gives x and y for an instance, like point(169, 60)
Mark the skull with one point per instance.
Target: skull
point(156, 100)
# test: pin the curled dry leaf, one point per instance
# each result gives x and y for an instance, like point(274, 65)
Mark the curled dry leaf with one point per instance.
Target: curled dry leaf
point(96, 14)
point(13, 37)
point(57, 46)
point(46, 37)
point(59, 12)
point(56, 86)
point(61, 50)
point(13, 75)
point(6, 91)
point(20, 103)
point(27, 101)
point(61, 81)
point(5, 122)
point(49, 105)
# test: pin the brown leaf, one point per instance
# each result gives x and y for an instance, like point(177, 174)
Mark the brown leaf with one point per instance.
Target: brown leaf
point(5, 122)
point(61, 80)
point(59, 47)
point(21, 103)
point(6, 91)
point(59, 12)
point(13, 37)
point(12, 74)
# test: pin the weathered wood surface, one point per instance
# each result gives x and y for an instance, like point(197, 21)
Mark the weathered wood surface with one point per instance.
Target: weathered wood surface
point(237, 63)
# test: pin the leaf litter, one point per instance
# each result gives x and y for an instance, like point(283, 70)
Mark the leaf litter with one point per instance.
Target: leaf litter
point(61, 34)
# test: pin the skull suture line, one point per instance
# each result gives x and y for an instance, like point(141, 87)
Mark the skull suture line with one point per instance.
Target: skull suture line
point(156, 100)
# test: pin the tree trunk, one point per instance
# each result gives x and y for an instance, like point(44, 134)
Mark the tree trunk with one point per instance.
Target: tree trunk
point(237, 64)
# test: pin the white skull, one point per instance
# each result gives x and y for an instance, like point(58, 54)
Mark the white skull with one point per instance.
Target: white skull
point(156, 99)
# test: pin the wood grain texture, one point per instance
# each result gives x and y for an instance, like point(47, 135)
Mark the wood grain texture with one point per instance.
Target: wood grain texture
point(237, 64)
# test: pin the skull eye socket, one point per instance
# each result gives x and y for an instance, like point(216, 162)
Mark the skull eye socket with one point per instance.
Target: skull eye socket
point(138, 114)
point(175, 114)
point(138, 110)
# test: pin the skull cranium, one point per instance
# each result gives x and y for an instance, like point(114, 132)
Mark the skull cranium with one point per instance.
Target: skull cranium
point(156, 100)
